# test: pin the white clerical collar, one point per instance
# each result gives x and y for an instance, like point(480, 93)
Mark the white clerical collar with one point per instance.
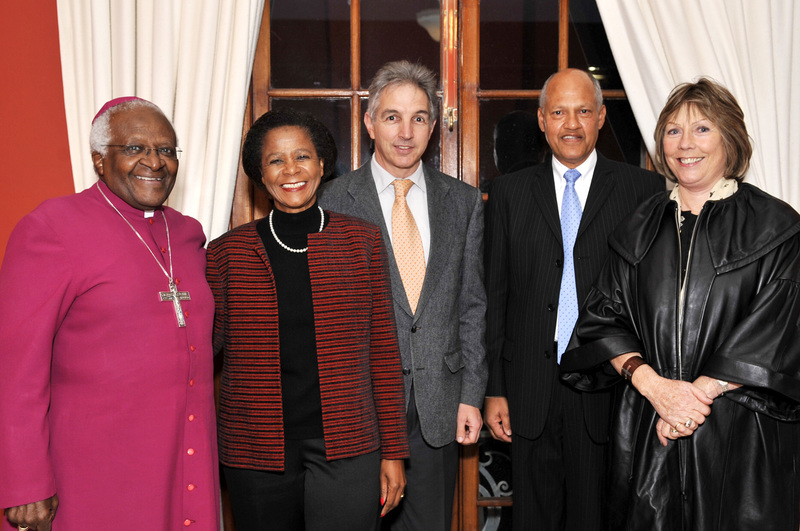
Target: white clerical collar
point(384, 179)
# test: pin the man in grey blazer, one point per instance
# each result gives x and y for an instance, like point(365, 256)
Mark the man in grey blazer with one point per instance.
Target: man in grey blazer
point(442, 342)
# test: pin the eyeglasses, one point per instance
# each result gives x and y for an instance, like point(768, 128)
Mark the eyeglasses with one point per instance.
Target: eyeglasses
point(139, 151)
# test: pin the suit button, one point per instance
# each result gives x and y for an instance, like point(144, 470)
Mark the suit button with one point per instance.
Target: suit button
point(559, 262)
point(551, 308)
point(547, 354)
point(414, 329)
point(406, 371)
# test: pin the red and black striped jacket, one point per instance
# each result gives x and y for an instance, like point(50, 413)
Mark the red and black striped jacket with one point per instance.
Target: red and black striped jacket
point(360, 373)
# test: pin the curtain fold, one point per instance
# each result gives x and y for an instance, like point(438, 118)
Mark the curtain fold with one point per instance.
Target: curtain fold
point(192, 58)
point(750, 46)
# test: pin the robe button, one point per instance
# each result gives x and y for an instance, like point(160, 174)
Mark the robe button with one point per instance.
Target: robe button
point(191, 347)
point(187, 523)
point(191, 382)
point(150, 220)
point(191, 418)
point(163, 250)
point(190, 487)
point(190, 451)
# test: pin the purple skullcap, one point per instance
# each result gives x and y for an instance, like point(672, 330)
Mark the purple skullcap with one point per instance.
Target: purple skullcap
point(113, 103)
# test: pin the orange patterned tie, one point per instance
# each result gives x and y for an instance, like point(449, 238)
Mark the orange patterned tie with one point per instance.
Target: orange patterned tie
point(407, 244)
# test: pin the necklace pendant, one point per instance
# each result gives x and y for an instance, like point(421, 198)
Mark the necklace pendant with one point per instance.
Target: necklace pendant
point(176, 297)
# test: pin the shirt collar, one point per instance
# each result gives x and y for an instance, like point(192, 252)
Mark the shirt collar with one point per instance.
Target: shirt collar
point(586, 167)
point(722, 190)
point(384, 179)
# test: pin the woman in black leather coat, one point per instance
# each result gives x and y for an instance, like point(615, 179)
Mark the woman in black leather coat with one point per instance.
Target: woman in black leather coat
point(698, 309)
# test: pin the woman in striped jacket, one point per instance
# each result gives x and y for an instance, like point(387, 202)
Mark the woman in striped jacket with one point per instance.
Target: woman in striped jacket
point(311, 417)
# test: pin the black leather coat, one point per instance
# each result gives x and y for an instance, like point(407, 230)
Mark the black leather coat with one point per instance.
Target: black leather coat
point(741, 323)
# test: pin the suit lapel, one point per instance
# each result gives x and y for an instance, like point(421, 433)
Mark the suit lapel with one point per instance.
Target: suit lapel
point(440, 219)
point(602, 184)
point(544, 192)
point(368, 206)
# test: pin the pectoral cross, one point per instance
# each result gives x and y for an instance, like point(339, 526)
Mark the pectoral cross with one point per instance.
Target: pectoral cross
point(176, 297)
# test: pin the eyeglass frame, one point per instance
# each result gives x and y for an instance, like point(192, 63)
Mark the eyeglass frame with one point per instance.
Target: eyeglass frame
point(159, 154)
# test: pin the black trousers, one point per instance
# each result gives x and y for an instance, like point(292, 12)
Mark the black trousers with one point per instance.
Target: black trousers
point(430, 483)
point(558, 478)
point(311, 493)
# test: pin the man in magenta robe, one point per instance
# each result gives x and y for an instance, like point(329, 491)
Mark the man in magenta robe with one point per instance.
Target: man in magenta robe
point(106, 397)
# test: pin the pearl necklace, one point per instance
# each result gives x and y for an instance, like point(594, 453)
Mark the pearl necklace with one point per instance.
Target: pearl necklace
point(291, 249)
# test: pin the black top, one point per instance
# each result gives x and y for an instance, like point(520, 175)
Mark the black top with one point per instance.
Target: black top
point(302, 406)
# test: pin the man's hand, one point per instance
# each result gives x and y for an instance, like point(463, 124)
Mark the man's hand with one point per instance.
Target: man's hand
point(468, 424)
point(393, 483)
point(38, 515)
point(495, 413)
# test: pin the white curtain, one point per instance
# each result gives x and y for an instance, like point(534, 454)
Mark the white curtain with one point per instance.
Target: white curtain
point(192, 58)
point(750, 46)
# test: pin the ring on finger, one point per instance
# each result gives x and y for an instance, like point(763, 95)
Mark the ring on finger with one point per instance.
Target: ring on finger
point(673, 430)
point(689, 423)
point(22, 528)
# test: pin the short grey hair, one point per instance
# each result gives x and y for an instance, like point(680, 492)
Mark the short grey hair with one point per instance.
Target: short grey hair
point(100, 134)
point(598, 90)
point(399, 73)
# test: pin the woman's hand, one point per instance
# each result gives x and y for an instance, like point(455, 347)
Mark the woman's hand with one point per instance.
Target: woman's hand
point(681, 406)
point(38, 515)
point(393, 483)
point(714, 388)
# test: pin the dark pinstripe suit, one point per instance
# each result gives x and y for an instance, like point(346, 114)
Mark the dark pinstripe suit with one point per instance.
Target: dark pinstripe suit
point(524, 258)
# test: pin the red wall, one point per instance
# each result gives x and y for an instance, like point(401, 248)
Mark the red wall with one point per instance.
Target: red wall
point(34, 150)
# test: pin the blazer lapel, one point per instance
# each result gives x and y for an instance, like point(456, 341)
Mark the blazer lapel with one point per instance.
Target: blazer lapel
point(544, 192)
point(368, 206)
point(602, 185)
point(440, 216)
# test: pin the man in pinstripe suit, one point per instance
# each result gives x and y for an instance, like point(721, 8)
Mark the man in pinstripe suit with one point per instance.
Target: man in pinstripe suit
point(559, 434)
point(442, 339)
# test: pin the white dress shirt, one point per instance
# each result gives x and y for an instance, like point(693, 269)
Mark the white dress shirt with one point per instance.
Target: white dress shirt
point(582, 186)
point(417, 200)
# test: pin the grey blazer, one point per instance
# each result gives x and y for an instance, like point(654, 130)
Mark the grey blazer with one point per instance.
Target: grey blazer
point(442, 345)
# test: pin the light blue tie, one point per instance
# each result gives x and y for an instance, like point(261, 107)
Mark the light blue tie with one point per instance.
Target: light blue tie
point(568, 296)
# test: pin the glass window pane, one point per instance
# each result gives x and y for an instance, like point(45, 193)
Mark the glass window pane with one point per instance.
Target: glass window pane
point(335, 114)
point(310, 44)
point(432, 156)
point(392, 30)
point(519, 43)
point(588, 44)
point(510, 138)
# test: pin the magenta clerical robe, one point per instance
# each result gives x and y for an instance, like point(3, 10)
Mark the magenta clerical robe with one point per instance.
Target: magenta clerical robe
point(104, 400)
